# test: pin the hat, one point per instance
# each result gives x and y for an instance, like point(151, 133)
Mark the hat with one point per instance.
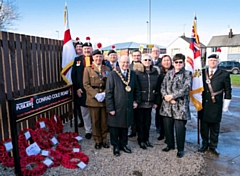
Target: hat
point(112, 50)
point(98, 50)
point(87, 43)
point(215, 55)
point(78, 42)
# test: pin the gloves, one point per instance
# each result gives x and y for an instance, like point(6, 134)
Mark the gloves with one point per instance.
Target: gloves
point(226, 103)
point(100, 96)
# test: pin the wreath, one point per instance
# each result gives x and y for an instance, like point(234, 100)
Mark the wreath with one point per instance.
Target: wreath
point(33, 165)
point(56, 157)
point(70, 160)
point(67, 136)
point(67, 146)
point(5, 158)
point(48, 125)
point(43, 138)
point(56, 123)
point(23, 143)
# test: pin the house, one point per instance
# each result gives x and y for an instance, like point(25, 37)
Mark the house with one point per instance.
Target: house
point(126, 48)
point(229, 44)
point(181, 45)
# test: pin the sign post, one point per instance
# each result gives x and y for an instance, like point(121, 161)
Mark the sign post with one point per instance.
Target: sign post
point(24, 108)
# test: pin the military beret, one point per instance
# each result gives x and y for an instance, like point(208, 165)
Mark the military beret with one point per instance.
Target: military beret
point(87, 43)
point(78, 42)
point(96, 51)
point(214, 56)
point(112, 50)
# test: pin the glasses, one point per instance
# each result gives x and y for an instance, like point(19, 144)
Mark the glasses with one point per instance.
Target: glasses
point(178, 62)
point(147, 60)
point(136, 55)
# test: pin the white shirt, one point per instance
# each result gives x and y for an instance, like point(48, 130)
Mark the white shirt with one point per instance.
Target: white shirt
point(209, 70)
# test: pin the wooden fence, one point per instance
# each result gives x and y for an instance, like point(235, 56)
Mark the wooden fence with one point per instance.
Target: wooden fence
point(28, 65)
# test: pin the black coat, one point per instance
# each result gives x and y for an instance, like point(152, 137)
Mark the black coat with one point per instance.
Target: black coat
point(159, 97)
point(120, 101)
point(158, 63)
point(212, 112)
point(108, 64)
point(148, 85)
point(77, 78)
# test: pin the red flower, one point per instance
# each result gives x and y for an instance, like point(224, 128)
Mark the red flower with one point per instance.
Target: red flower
point(39, 169)
point(43, 138)
point(56, 123)
point(70, 160)
point(48, 125)
point(5, 157)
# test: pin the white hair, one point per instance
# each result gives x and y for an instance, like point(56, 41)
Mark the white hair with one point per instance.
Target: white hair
point(123, 57)
point(146, 56)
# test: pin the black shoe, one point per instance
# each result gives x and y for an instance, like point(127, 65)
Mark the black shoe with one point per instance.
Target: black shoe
point(148, 144)
point(180, 154)
point(88, 135)
point(132, 135)
point(203, 148)
point(143, 146)
point(98, 146)
point(105, 145)
point(81, 125)
point(161, 137)
point(126, 149)
point(116, 151)
point(215, 151)
point(168, 148)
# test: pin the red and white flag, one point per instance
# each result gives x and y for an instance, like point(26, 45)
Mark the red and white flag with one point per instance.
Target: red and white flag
point(68, 53)
point(194, 64)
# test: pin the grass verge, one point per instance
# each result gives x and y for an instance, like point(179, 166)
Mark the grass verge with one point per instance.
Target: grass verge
point(235, 79)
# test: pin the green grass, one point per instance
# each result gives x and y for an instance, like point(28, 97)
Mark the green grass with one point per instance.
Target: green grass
point(235, 79)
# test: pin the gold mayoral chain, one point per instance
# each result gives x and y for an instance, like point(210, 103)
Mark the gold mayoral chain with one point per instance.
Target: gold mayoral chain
point(127, 88)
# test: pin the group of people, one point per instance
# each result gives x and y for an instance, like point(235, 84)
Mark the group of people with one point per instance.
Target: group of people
point(115, 95)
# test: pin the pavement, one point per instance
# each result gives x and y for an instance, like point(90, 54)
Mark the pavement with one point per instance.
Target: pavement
point(228, 162)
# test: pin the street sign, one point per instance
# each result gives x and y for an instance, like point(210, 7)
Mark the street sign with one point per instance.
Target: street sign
point(150, 46)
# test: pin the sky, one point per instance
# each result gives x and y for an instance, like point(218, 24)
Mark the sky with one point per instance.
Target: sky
point(116, 21)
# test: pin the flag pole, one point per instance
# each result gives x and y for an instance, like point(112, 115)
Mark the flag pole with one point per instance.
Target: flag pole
point(198, 118)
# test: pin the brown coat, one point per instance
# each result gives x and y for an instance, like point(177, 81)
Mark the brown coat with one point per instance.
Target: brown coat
point(94, 82)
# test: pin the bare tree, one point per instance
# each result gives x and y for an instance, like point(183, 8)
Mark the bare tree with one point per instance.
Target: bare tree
point(8, 14)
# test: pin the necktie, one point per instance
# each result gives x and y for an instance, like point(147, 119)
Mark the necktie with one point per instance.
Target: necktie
point(125, 74)
point(112, 66)
point(211, 74)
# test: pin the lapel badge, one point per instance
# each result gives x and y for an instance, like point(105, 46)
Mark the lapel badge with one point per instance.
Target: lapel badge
point(78, 63)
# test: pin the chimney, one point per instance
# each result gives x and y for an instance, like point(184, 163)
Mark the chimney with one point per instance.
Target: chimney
point(183, 34)
point(230, 34)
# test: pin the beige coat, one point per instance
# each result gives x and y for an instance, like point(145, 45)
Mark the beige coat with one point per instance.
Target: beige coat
point(95, 82)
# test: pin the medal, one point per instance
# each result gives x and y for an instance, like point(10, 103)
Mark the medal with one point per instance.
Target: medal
point(128, 88)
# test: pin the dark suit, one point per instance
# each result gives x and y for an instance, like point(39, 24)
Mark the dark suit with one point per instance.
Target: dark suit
point(157, 63)
point(77, 77)
point(121, 101)
point(211, 114)
point(77, 80)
